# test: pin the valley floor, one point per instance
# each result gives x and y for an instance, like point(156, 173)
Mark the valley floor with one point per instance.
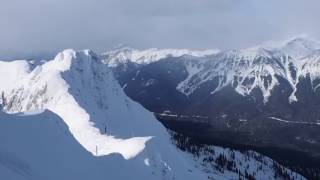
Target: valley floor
point(203, 134)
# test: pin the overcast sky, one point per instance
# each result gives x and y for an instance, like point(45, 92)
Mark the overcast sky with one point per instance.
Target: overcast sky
point(36, 26)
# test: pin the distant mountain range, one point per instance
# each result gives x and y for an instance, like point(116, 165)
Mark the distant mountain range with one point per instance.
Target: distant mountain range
point(265, 96)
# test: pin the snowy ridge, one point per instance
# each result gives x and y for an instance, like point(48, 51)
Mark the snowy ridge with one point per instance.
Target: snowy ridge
point(113, 58)
point(45, 88)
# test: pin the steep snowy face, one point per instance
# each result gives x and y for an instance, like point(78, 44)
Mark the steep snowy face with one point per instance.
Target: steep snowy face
point(11, 72)
point(116, 57)
point(310, 65)
point(244, 70)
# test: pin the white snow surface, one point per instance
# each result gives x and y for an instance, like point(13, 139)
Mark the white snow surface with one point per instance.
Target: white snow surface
point(12, 72)
point(42, 147)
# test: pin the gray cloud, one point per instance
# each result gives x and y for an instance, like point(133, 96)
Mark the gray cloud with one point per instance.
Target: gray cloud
point(35, 26)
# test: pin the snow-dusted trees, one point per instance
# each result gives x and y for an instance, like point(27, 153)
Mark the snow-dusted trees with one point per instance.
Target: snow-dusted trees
point(243, 164)
point(2, 100)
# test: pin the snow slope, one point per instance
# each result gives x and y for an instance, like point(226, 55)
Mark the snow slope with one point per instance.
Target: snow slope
point(41, 147)
point(11, 72)
point(89, 128)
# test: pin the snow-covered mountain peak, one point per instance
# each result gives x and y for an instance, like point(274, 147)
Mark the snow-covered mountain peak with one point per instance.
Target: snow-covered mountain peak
point(62, 61)
point(300, 47)
point(65, 59)
point(249, 54)
point(315, 54)
point(154, 54)
point(303, 42)
point(78, 88)
point(257, 51)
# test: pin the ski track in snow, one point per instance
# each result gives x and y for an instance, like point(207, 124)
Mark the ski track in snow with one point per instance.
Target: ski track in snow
point(293, 122)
